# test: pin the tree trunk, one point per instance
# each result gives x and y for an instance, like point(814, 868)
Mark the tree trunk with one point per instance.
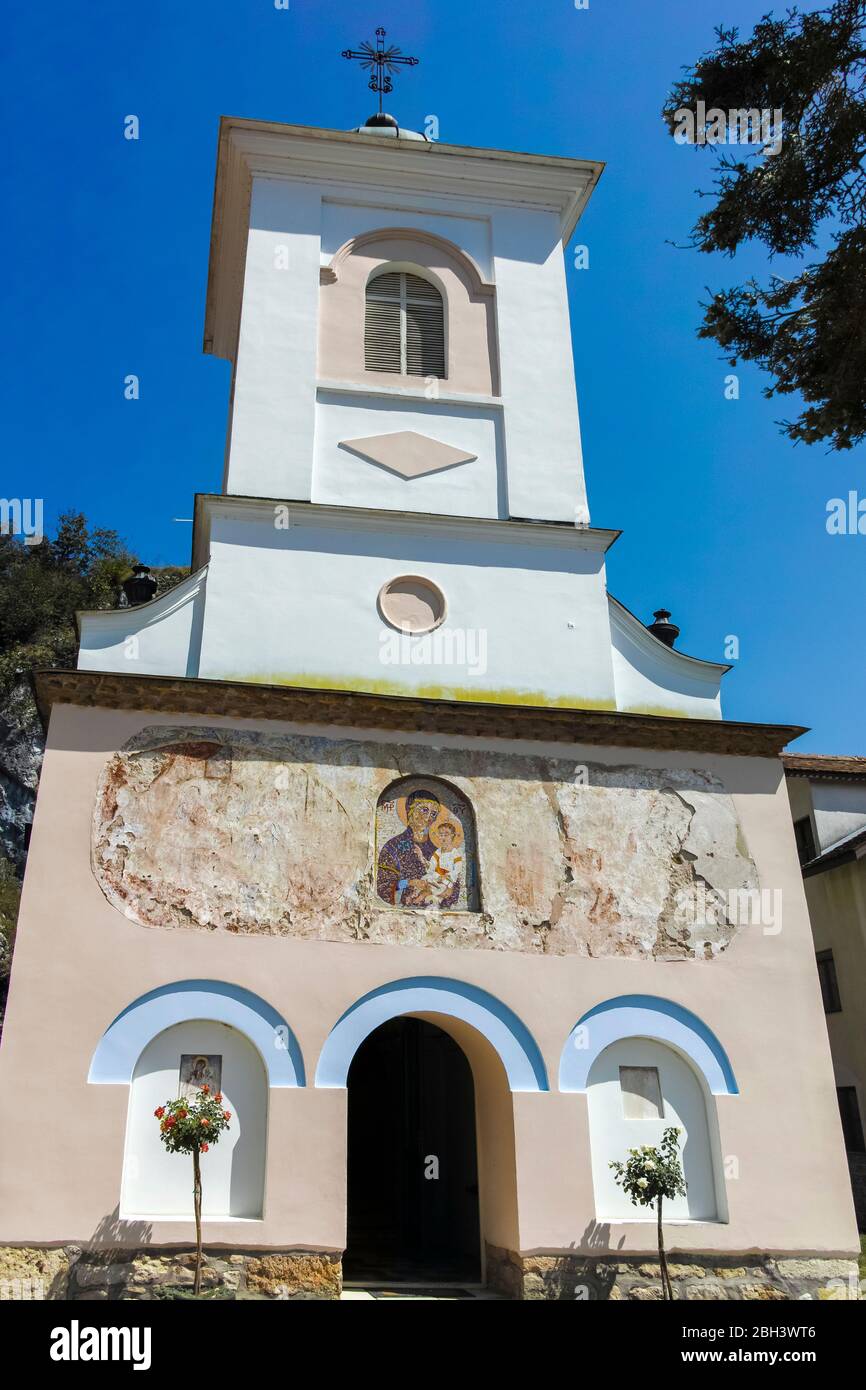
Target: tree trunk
point(196, 1197)
point(667, 1287)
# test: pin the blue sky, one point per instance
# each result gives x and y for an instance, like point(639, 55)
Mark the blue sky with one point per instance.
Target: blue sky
point(723, 519)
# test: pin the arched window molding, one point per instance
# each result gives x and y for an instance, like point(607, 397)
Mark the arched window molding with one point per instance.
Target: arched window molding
point(506, 1033)
point(126, 1037)
point(471, 362)
point(644, 1015)
point(440, 249)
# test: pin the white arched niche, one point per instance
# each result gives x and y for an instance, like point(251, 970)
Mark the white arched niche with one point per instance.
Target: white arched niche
point(157, 1184)
point(636, 1089)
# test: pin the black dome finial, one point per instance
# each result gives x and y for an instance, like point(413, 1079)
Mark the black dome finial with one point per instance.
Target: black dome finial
point(382, 118)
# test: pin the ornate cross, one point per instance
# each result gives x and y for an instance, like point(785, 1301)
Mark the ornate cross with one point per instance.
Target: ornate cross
point(380, 62)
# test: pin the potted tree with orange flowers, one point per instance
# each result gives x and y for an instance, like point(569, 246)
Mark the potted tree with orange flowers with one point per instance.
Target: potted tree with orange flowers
point(190, 1126)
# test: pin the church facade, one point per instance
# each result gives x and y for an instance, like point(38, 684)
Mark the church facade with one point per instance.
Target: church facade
point(392, 822)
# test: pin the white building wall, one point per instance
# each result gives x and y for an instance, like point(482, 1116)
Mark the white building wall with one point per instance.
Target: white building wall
point(800, 797)
point(299, 606)
point(542, 430)
point(839, 808)
point(273, 412)
point(292, 598)
point(651, 678)
point(340, 477)
point(465, 223)
point(291, 234)
point(160, 638)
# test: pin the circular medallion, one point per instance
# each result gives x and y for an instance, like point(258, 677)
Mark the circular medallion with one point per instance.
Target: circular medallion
point(412, 604)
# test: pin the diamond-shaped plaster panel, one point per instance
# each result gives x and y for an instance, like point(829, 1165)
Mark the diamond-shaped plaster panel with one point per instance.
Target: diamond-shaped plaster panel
point(406, 452)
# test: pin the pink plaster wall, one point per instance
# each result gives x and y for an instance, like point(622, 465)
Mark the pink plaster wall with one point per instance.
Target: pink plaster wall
point(470, 328)
point(79, 961)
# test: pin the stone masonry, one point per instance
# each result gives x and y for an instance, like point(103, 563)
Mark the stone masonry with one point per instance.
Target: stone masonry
point(573, 1278)
point(71, 1273)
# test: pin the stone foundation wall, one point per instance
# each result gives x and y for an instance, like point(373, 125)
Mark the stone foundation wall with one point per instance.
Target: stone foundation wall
point(705, 1277)
point(71, 1273)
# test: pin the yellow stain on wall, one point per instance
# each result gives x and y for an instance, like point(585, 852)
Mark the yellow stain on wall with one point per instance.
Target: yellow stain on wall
point(470, 694)
point(664, 712)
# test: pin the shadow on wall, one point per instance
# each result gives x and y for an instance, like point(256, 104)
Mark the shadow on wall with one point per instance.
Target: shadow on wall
point(573, 1277)
point(105, 1267)
point(597, 1237)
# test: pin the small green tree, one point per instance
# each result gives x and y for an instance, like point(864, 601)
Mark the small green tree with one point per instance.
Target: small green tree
point(648, 1176)
point(190, 1127)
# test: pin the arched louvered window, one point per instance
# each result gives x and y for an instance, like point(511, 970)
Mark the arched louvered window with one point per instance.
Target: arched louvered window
point(404, 326)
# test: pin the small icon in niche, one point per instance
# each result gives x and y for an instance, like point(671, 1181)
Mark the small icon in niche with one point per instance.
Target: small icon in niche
point(198, 1069)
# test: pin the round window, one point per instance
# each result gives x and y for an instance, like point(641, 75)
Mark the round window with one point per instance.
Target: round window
point(412, 604)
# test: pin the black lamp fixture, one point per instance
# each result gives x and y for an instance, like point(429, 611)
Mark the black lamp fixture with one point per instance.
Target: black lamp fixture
point(663, 628)
point(140, 587)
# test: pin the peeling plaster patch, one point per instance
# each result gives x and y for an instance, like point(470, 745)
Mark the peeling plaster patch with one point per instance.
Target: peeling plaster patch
point(645, 841)
point(218, 829)
point(194, 832)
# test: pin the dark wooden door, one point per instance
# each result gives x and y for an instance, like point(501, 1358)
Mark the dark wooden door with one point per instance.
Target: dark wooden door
point(412, 1165)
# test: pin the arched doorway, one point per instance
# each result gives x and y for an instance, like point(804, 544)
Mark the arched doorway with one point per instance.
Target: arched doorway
point(412, 1165)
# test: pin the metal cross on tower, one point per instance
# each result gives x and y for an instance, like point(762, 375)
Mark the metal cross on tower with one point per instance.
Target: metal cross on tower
point(381, 62)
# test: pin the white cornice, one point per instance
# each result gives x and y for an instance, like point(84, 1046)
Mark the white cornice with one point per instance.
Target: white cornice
point(637, 632)
point(306, 151)
point(410, 393)
point(154, 610)
point(316, 515)
point(247, 148)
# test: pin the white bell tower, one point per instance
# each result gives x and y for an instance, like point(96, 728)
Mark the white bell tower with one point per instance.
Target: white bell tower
point(403, 509)
point(331, 217)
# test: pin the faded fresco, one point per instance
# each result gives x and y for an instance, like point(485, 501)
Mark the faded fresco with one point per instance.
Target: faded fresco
point(219, 829)
point(425, 848)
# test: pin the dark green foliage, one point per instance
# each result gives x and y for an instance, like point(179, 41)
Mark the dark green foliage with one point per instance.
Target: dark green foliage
point(10, 893)
point(43, 586)
point(808, 330)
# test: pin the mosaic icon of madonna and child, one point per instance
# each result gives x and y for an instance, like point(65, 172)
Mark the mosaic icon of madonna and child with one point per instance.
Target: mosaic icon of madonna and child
point(426, 856)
